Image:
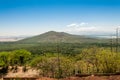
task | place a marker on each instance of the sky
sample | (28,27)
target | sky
(83,17)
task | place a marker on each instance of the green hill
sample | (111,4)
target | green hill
(55,37)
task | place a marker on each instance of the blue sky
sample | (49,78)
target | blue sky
(85,17)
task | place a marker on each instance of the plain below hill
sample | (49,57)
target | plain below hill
(57,37)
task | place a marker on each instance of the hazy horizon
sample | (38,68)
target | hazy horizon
(81,17)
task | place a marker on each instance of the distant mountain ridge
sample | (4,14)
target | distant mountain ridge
(55,37)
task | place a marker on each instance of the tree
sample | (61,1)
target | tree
(4,62)
(19,57)
(48,65)
(98,60)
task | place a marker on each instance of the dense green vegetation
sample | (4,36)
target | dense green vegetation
(87,61)
(39,48)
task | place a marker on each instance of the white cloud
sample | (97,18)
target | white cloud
(77,25)
(85,28)
(83,24)
(73,25)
